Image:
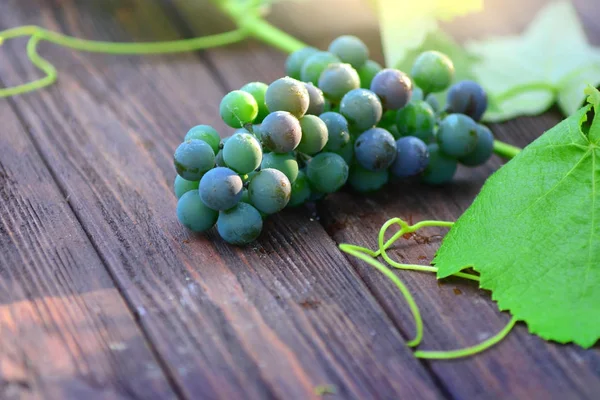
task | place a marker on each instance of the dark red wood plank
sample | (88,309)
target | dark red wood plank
(65,330)
(275,319)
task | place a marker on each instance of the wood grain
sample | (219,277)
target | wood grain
(273,320)
(65,331)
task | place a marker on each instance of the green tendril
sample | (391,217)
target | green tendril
(369,256)
(469,351)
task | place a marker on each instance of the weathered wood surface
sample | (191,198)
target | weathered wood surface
(273,320)
(65,331)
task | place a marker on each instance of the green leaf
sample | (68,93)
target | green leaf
(533,233)
(552,61)
(405,24)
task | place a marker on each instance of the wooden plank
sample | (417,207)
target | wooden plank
(65,330)
(457,314)
(272,320)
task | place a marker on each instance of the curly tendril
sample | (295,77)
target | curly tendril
(369,256)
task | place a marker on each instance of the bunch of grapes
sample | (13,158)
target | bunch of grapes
(336,117)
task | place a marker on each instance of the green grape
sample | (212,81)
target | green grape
(245,197)
(316,103)
(314,135)
(240,225)
(293,64)
(483,150)
(363,180)
(362,109)
(433,71)
(433,102)
(388,119)
(417,94)
(242,153)
(219,162)
(300,190)
(416,119)
(193,158)
(182,186)
(367,72)
(346,152)
(269,190)
(441,168)
(285,163)
(457,135)
(238,108)
(280,132)
(327,172)
(288,94)
(315,65)
(193,214)
(258,91)
(338,79)
(338,134)
(206,133)
(351,50)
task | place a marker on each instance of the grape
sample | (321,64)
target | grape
(314,135)
(346,152)
(182,186)
(483,150)
(363,180)
(417,94)
(193,214)
(245,197)
(433,71)
(393,87)
(242,153)
(367,72)
(416,119)
(193,158)
(206,133)
(280,132)
(221,188)
(433,102)
(351,50)
(285,163)
(361,108)
(469,98)
(315,65)
(287,94)
(219,162)
(441,168)
(300,190)
(316,103)
(293,64)
(375,149)
(269,190)
(240,225)
(388,119)
(457,135)
(238,108)
(337,129)
(258,91)
(327,172)
(412,157)
(337,80)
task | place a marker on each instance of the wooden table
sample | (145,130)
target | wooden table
(105,295)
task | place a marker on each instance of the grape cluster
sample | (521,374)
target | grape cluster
(336,117)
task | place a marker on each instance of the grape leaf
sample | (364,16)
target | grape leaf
(533,233)
(405,24)
(551,61)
